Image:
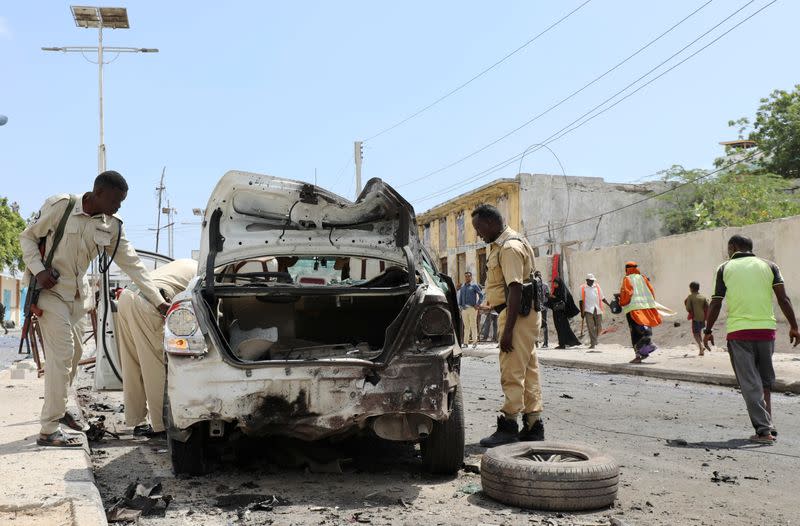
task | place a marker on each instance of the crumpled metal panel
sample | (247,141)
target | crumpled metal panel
(263,215)
(309,402)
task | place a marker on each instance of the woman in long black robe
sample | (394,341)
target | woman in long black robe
(561,296)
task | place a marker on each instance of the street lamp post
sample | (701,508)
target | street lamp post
(100,17)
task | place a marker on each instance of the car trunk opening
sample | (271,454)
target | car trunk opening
(309,327)
(309,307)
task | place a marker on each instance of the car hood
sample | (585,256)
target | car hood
(261,215)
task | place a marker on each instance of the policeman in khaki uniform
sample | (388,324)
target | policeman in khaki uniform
(510,264)
(65,294)
(140,333)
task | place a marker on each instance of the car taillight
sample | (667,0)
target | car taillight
(435,321)
(181,334)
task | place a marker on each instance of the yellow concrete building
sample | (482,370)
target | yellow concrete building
(446,230)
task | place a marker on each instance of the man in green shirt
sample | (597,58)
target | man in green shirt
(747,283)
(696,305)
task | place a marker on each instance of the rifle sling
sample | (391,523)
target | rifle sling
(59,233)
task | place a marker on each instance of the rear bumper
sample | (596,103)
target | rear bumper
(309,401)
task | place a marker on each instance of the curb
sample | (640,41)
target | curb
(728,380)
(81,485)
(53,485)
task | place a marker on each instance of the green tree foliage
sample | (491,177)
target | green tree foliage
(736,197)
(11,224)
(776,131)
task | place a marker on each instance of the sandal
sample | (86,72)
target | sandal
(763,439)
(59,439)
(69,421)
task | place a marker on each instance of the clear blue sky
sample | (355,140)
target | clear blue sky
(284,88)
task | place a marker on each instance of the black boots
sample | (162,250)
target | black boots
(532,430)
(506,433)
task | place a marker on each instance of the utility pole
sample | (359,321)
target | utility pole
(169,212)
(100,17)
(160,189)
(358,151)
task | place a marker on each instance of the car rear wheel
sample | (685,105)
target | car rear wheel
(190,457)
(443,450)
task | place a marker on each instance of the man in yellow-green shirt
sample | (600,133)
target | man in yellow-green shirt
(747,283)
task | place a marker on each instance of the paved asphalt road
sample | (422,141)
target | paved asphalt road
(632,418)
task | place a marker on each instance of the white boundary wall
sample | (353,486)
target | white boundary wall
(672,262)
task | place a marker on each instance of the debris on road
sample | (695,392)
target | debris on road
(360,518)
(721,477)
(471,468)
(139,499)
(250,501)
(101,407)
(677,442)
(97,429)
(470,489)
(565,395)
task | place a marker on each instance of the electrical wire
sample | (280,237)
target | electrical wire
(341,172)
(557,135)
(476,77)
(652,196)
(563,173)
(560,102)
(513,159)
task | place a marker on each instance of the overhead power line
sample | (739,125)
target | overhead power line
(570,128)
(560,102)
(650,197)
(479,75)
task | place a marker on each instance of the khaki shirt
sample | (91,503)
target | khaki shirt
(84,237)
(507,263)
(174,276)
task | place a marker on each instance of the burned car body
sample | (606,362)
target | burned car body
(313,317)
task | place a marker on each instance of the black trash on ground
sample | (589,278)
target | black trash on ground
(140,499)
(721,477)
(97,429)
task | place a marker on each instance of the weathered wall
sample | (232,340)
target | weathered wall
(672,262)
(554,199)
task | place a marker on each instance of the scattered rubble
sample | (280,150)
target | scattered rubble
(721,477)
(97,429)
(250,501)
(139,500)
(471,468)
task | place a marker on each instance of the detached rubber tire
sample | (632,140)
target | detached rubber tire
(443,450)
(190,457)
(550,476)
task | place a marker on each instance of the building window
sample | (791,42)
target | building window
(443,235)
(460,229)
(426,235)
(443,265)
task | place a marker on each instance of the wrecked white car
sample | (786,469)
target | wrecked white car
(313,317)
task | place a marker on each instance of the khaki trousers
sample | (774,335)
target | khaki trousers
(594,324)
(470,318)
(60,323)
(519,368)
(140,333)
